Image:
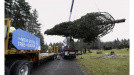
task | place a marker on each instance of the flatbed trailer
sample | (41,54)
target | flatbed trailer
(45,56)
(20,62)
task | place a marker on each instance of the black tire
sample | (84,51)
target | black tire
(31,66)
(74,56)
(64,57)
(22,67)
(7,71)
(53,57)
(10,63)
(38,63)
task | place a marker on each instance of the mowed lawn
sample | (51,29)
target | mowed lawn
(103,64)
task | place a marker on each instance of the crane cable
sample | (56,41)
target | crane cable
(96,5)
(78,5)
(76,11)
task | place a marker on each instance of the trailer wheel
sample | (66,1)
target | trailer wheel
(7,71)
(55,56)
(38,63)
(21,68)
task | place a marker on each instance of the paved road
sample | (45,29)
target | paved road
(58,67)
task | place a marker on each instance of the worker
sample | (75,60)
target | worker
(65,47)
(49,48)
(12,29)
(62,48)
(10,37)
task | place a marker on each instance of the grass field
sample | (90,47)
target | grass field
(103,64)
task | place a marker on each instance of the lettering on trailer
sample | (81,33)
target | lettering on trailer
(23,40)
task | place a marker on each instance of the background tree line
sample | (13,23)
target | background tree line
(98,44)
(23,17)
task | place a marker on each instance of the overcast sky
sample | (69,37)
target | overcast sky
(52,12)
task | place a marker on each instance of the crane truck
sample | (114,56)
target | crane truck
(67,50)
(25,53)
(69,53)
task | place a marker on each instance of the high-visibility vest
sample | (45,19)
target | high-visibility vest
(12,29)
(49,47)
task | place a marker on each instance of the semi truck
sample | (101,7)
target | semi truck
(22,51)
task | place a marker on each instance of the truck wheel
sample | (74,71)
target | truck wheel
(21,68)
(31,66)
(38,63)
(64,57)
(7,71)
(53,57)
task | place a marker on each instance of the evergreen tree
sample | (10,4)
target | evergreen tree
(8,8)
(89,27)
(21,17)
(18,11)
(33,26)
(41,41)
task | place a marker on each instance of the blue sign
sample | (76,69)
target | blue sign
(23,40)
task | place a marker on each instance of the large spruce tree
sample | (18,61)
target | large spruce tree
(89,27)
